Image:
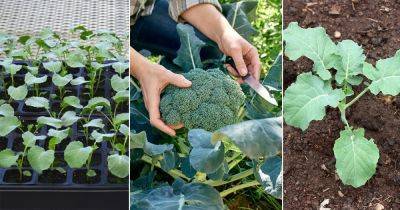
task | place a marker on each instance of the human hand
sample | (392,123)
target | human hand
(153,79)
(243,54)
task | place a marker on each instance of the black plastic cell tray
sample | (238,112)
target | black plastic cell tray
(68,186)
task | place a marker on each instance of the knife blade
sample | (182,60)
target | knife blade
(254,84)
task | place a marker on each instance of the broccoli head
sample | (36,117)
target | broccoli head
(213,101)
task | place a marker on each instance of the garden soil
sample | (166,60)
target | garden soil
(309,164)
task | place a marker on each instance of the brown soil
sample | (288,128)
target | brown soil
(52,177)
(79,177)
(375,25)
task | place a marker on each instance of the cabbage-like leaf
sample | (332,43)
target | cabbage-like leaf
(99,137)
(121,118)
(350,63)
(188,55)
(138,140)
(155,149)
(38,102)
(29,139)
(119,84)
(255,138)
(40,159)
(124,129)
(76,59)
(8,124)
(312,43)
(57,136)
(236,14)
(120,67)
(386,77)
(306,99)
(6,110)
(121,96)
(12,68)
(188,196)
(53,122)
(78,81)
(205,156)
(30,79)
(356,157)
(97,101)
(118,165)
(270,175)
(8,158)
(61,81)
(69,118)
(18,93)
(76,155)
(72,101)
(95,123)
(53,66)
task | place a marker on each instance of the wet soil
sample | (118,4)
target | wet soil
(309,164)
(53,177)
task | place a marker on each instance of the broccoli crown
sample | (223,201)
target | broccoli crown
(212,101)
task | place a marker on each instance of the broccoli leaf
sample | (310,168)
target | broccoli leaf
(8,158)
(312,43)
(386,77)
(72,101)
(76,155)
(255,138)
(18,93)
(118,165)
(269,174)
(8,124)
(306,99)
(40,159)
(30,79)
(236,14)
(188,55)
(38,102)
(350,63)
(356,157)
(6,110)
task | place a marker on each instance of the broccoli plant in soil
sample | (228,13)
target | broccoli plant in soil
(48,76)
(232,138)
(307,98)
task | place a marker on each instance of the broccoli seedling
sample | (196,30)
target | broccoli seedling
(213,101)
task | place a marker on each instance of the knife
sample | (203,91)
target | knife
(254,84)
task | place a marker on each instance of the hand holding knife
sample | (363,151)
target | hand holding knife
(254,84)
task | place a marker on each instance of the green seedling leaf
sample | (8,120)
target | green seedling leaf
(29,139)
(386,77)
(76,155)
(8,124)
(53,122)
(69,118)
(95,123)
(30,79)
(138,140)
(120,67)
(78,81)
(124,129)
(118,84)
(96,102)
(6,110)
(249,135)
(12,68)
(57,136)
(236,15)
(91,173)
(99,137)
(188,55)
(118,165)
(121,96)
(312,43)
(350,63)
(40,159)
(8,158)
(356,157)
(53,66)
(60,81)
(306,99)
(269,174)
(27,173)
(18,93)
(205,156)
(72,101)
(38,102)
(76,60)
(120,118)
(34,70)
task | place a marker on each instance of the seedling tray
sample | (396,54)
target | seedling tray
(72,189)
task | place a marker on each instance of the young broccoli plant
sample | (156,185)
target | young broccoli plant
(307,98)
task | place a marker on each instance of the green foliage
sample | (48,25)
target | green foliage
(211,102)
(306,99)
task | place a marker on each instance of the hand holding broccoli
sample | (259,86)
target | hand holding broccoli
(153,79)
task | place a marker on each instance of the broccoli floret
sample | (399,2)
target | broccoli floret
(213,101)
